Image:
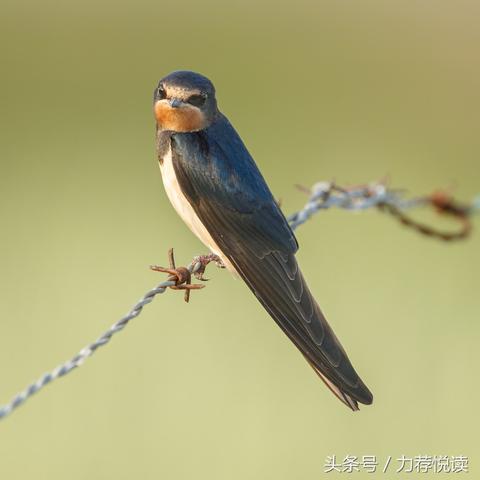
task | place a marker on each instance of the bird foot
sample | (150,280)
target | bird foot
(200,262)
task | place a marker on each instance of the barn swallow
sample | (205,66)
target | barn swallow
(218,191)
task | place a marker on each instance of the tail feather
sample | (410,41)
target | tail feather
(280,287)
(341,395)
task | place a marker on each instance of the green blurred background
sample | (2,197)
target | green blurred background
(213,390)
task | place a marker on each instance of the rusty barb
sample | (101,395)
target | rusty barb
(180,275)
(444,204)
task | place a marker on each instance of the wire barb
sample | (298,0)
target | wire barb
(181,276)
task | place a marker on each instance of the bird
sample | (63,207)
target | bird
(217,189)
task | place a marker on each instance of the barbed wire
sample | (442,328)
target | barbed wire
(322,195)
(86,352)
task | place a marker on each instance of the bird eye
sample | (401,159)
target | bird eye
(197,100)
(161,93)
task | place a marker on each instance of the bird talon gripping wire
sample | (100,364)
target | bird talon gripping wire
(180,275)
(200,262)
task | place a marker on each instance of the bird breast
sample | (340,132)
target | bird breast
(185,210)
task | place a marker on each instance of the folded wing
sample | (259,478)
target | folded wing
(231,198)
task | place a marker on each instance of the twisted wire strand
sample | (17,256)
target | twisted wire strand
(323,195)
(86,352)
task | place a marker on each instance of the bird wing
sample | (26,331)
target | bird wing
(228,193)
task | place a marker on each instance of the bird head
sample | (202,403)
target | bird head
(184,102)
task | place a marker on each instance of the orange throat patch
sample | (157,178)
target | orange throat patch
(182,119)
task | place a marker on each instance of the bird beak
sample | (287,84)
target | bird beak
(175,102)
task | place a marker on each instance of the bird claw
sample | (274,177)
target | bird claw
(200,263)
(199,276)
(180,275)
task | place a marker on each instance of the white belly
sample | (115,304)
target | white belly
(185,210)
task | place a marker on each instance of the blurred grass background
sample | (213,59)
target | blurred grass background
(213,390)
